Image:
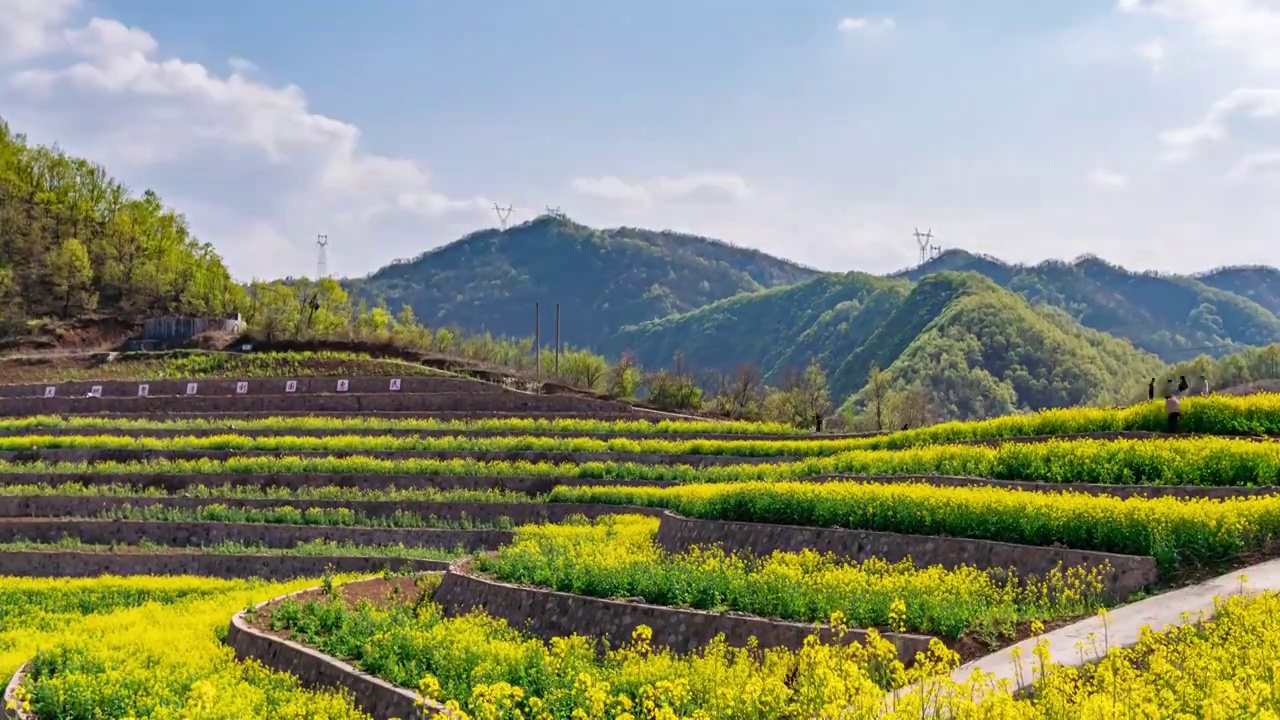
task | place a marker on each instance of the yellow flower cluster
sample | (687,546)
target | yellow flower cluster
(1187,461)
(1214,415)
(616,556)
(1226,667)
(145,647)
(1174,531)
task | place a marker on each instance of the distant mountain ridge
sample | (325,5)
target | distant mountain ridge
(1173,316)
(982,336)
(976,348)
(603,279)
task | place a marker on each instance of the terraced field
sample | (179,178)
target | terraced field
(490,553)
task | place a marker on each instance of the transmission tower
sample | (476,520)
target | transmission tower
(554,212)
(322,263)
(923,240)
(504,214)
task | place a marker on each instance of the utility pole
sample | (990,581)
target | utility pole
(557,339)
(537,339)
(923,240)
(322,263)
(504,214)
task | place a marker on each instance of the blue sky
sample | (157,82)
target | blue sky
(1144,131)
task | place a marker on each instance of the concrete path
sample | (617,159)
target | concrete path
(1123,625)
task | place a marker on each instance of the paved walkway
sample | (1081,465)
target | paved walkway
(1123,625)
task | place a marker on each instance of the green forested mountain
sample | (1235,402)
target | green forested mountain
(827,319)
(1258,283)
(974,348)
(74,241)
(1174,316)
(603,279)
(981,351)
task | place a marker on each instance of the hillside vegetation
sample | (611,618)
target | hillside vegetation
(603,279)
(973,348)
(1175,317)
(74,241)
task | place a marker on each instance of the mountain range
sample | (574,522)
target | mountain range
(979,336)
(982,336)
(603,280)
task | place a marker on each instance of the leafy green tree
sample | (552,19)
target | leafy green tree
(72,276)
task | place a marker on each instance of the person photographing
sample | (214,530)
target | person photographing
(1173,407)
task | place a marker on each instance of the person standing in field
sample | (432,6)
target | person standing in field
(1204,385)
(1151,389)
(1173,406)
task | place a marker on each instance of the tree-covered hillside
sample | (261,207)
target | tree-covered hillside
(73,241)
(1258,283)
(974,348)
(978,350)
(489,281)
(1173,316)
(826,319)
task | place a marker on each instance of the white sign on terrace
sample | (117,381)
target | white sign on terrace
(290,385)
(242,387)
(343,384)
(395,384)
(144,390)
(192,387)
(50,391)
(96,391)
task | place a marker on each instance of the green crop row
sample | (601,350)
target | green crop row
(313,548)
(267,492)
(1182,535)
(1211,415)
(435,443)
(285,515)
(1198,461)
(616,556)
(370,423)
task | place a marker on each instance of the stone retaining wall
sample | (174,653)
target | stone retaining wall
(203,534)
(78,563)
(387,432)
(175,483)
(83,506)
(1127,574)
(253,386)
(91,455)
(233,415)
(9,704)
(547,614)
(379,698)
(506,401)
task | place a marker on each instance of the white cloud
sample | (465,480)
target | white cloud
(29,27)
(1154,52)
(1248,28)
(1264,164)
(242,66)
(703,188)
(103,87)
(1104,179)
(1255,103)
(866,25)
